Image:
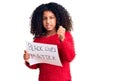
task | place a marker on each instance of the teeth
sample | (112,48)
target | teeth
(48,26)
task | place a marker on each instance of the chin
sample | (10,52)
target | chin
(49,30)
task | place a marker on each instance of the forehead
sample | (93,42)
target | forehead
(47,12)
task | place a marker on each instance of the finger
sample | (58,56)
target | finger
(60,27)
(61,30)
(64,29)
(24,51)
(26,56)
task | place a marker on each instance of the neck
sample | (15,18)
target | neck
(50,33)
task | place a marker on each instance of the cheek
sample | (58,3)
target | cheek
(54,22)
(44,23)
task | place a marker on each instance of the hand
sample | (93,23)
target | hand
(61,33)
(26,56)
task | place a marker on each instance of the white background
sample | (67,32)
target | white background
(96,34)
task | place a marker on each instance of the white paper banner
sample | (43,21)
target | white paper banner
(43,53)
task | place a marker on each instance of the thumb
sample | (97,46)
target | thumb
(60,26)
(25,51)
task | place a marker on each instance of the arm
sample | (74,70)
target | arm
(67,51)
(26,58)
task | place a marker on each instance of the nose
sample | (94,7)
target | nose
(48,20)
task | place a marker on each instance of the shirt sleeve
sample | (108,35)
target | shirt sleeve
(67,51)
(35,66)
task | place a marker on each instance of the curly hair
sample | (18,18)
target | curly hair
(63,18)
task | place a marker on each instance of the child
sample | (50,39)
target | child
(51,24)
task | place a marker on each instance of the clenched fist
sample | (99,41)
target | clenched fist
(61,33)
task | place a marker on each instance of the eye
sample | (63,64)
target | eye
(52,17)
(44,18)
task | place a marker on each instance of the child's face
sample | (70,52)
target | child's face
(49,20)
